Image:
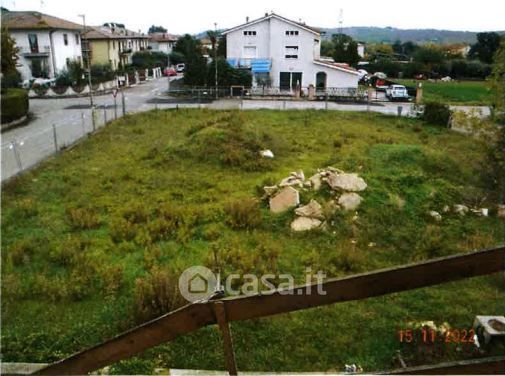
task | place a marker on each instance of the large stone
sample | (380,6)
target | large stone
(349,201)
(312,210)
(316,182)
(287,198)
(501,211)
(305,224)
(270,190)
(460,209)
(346,182)
(435,215)
(290,181)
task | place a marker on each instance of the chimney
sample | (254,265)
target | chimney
(266,14)
(247,19)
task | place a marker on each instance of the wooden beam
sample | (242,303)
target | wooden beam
(229,354)
(165,328)
(194,316)
(366,285)
(485,366)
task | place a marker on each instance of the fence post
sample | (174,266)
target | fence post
(83,124)
(55,138)
(115,107)
(229,354)
(16,155)
(123,103)
(93,120)
(93,117)
(104,114)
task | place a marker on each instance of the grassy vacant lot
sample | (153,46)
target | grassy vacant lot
(93,240)
(456,92)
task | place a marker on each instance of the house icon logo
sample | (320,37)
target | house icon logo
(197,283)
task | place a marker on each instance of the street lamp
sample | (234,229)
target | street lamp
(83,16)
(215,56)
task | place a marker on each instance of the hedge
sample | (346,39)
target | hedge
(14,104)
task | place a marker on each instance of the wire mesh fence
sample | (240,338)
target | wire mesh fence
(21,153)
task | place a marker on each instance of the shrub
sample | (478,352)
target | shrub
(244,213)
(156,294)
(436,113)
(111,277)
(26,208)
(14,104)
(121,230)
(231,144)
(82,218)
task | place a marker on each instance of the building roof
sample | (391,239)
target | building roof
(103,32)
(276,16)
(35,21)
(163,37)
(340,66)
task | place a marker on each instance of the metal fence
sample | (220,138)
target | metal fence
(203,94)
(25,151)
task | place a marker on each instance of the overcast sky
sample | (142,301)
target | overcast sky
(192,16)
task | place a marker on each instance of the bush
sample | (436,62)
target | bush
(82,218)
(436,113)
(101,73)
(149,59)
(244,214)
(231,144)
(156,294)
(14,105)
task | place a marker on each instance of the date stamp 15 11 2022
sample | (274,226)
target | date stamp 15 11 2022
(432,336)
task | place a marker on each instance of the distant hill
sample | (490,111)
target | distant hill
(391,34)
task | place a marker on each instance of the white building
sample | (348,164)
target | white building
(284,53)
(162,42)
(46,43)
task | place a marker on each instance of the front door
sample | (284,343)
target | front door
(289,80)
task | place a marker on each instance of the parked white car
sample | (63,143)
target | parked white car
(397,92)
(180,67)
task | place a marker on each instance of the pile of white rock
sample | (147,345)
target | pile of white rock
(286,195)
(463,210)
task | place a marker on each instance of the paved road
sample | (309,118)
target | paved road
(26,146)
(70,119)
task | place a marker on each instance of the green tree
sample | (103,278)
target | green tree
(149,59)
(430,56)
(227,75)
(196,65)
(485,48)
(327,48)
(156,29)
(213,37)
(221,46)
(188,47)
(345,49)
(10,75)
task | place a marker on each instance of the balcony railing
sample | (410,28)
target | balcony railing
(35,51)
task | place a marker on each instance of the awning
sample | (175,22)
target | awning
(261,66)
(256,65)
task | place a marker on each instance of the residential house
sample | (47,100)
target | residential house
(162,42)
(46,43)
(102,46)
(131,41)
(286,54)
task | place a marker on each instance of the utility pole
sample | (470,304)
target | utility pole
(215,55)
(168,67)
(87,50)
